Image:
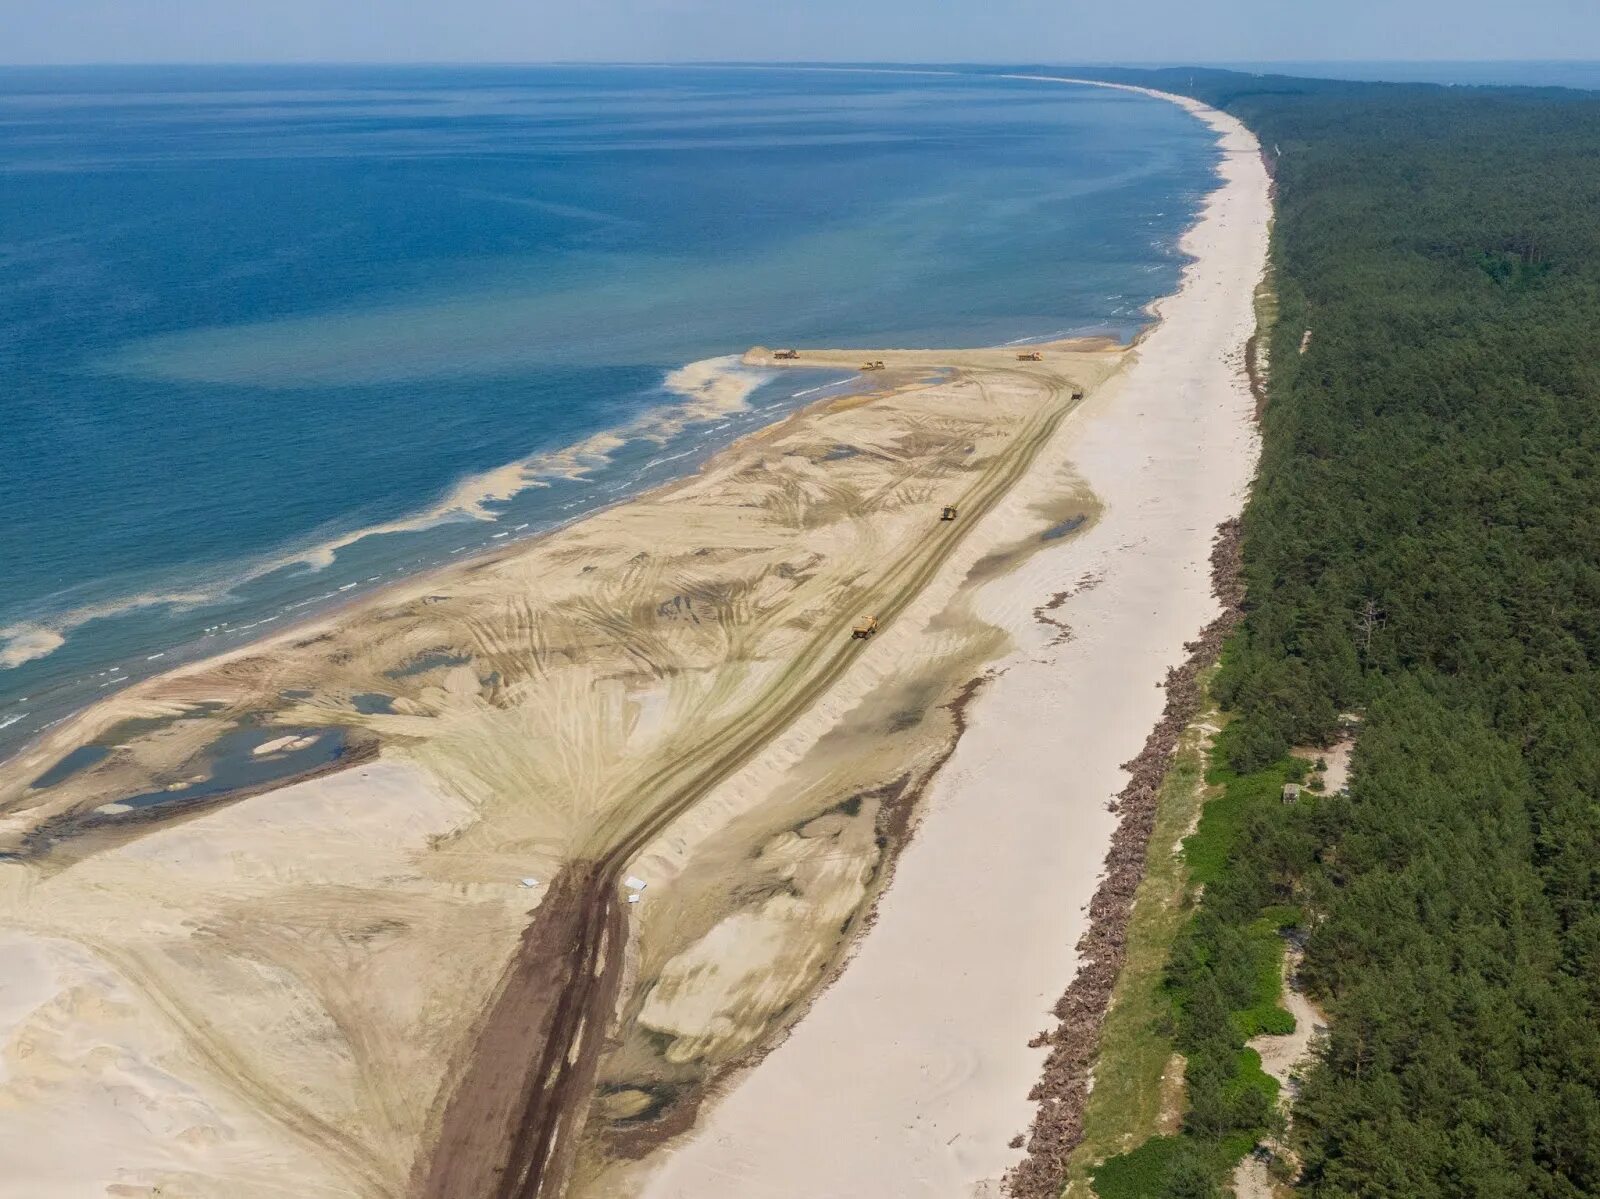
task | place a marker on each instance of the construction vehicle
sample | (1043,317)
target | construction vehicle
(865,627)
(785,355)
(873,366)
(949,513)
(1030,356)
(1077,395)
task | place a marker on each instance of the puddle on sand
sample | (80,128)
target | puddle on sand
(81,758)
(235,765)
(1062,528)
(373,703)
(432,660)
(99,750)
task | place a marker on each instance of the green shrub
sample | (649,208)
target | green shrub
(1139,1174)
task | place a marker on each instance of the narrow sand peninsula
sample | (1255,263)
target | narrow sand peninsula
(403,973)
(911,1074)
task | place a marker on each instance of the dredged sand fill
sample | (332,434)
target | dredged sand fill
(302,988)
(911,1074)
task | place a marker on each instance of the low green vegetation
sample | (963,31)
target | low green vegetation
(1138,1082)
(1423,546)
(1162,1165)
(1222,981)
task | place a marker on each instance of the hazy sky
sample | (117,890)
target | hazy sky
(35,31)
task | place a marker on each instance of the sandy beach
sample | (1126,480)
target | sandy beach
(567,870)
(911,1074)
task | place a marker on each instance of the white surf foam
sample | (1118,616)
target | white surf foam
(709,390)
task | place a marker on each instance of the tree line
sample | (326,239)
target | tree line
(1422,548)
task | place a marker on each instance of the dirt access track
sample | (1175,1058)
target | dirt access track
(508,1130)
(561,704)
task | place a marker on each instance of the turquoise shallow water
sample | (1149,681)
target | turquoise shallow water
(250,315)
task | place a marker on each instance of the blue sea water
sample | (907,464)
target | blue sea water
(248,313)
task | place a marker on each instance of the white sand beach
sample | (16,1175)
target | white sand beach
(911,1074)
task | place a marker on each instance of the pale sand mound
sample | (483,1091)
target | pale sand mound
(911,1074)
(159,1024)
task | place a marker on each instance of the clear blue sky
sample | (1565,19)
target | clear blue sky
(68,31)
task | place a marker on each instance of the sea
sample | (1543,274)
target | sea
(272,337)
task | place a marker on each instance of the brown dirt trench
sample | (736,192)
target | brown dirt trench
(509,1128)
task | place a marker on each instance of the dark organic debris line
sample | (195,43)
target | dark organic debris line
(1063,1090)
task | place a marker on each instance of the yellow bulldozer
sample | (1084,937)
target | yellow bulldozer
(865,627)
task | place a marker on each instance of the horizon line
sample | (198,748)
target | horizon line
(1142,64)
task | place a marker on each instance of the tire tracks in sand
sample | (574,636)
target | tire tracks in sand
(508,1128)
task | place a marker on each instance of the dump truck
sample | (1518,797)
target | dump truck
(786,355)
(949,513)
(1030,356)
(865,627)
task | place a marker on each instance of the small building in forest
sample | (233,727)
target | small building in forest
(1291,792)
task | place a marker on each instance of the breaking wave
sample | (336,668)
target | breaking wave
(709,390)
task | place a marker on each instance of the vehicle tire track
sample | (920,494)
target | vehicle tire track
(509,1129)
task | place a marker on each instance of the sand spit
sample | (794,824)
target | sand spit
(911,1075)
(327,987)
